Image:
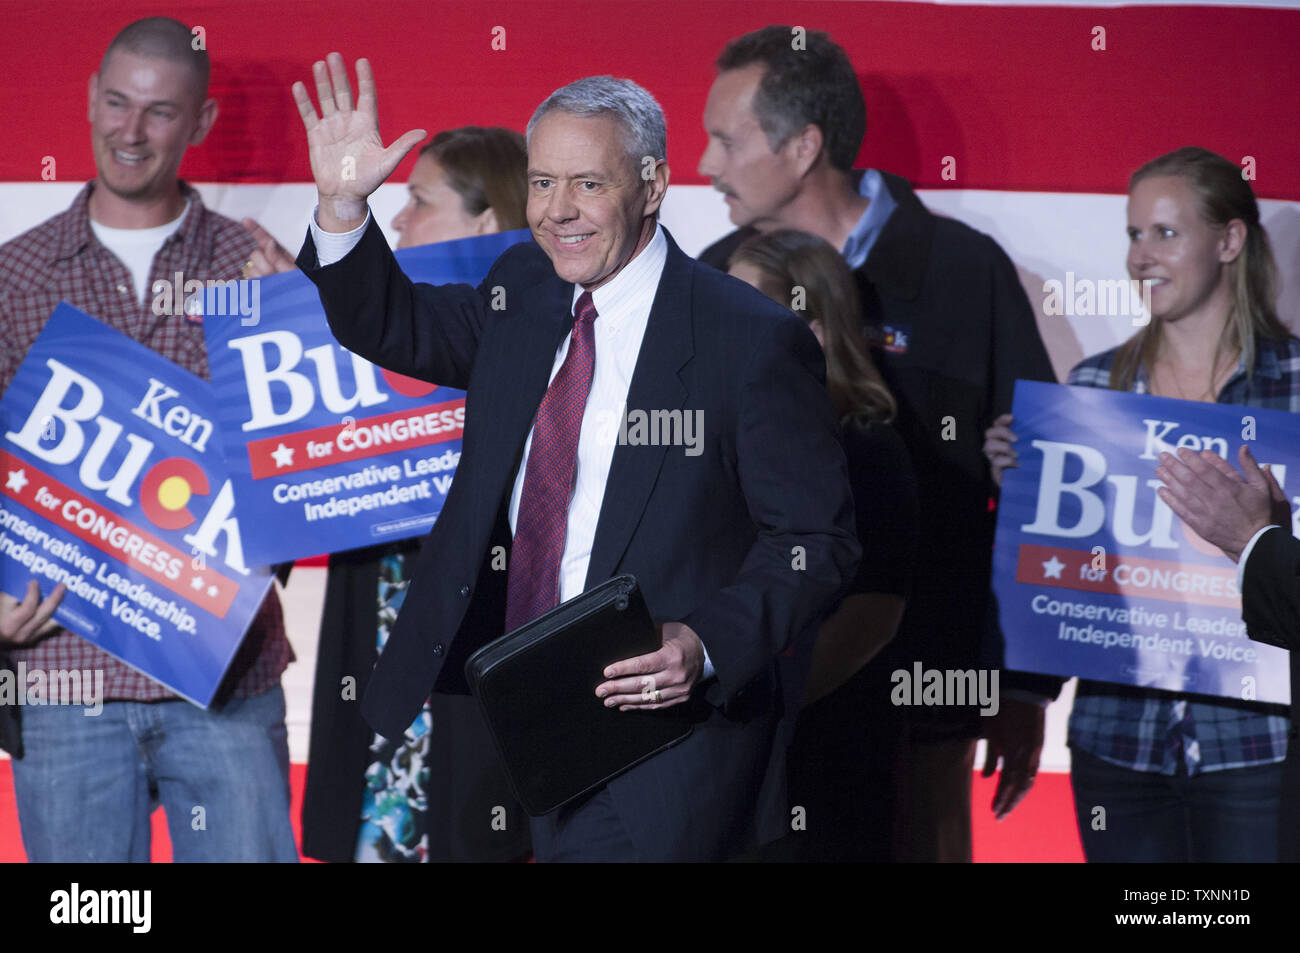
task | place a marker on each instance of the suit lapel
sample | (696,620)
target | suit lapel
(529,354)
(656,384)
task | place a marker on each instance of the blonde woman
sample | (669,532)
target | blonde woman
(1184,777)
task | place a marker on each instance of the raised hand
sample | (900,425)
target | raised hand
(348,159)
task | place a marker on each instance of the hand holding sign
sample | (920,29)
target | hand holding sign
(348,158)
(997,447)
(23,622)
(1217,502)
(270,257)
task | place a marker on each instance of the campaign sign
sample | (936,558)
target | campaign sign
(116,486)
(1095,576)
(328,451)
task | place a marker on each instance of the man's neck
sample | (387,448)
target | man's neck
(827,206)
(113,211)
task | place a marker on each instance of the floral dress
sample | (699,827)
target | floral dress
(394,805)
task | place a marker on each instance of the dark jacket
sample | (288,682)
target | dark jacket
(970,333)
(748,542)
(1270,607)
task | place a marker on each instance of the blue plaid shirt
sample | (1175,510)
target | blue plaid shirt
(1148,731)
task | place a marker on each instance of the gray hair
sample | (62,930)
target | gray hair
(642,119)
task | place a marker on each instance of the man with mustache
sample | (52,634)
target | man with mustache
(951,330)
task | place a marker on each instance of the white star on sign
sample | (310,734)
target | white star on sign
(212,591)
(283,456)
(1052,568)
(17,480)
(196,583)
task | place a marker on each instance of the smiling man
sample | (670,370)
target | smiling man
(737,549)
(86,786)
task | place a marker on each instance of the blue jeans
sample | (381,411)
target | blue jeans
(87,785)
(1218,817)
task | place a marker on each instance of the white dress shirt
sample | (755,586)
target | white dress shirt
(622,309)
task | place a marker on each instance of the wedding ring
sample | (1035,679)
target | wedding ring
(243,272)
(659,696)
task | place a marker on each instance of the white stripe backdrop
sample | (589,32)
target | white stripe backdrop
(1046,234)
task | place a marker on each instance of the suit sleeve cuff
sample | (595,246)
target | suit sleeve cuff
(334,246)
(1245,554)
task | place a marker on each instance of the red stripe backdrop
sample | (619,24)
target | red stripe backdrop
(1016,95)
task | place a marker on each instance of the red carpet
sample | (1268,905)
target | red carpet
(1040,829)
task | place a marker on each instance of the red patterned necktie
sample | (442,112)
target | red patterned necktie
(543,518)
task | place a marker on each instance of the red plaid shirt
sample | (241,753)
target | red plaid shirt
(61,260)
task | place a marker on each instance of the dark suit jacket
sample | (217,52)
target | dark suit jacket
(970,334)
(1270,607)
(749,542)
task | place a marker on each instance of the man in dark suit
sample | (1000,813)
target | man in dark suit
(740,536)
(1247,516)
(951,330)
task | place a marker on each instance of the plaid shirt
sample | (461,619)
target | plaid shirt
(1146,730)
(61,260)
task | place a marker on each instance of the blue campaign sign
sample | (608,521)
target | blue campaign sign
(115,486)
(328,451)
(1094,574)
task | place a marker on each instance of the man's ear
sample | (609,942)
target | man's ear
(92,91)
(656,185)
(207,116)
(805,147)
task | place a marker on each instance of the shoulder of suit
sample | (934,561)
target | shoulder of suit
(717,254)
(524,263)
(726,302)
(522,254)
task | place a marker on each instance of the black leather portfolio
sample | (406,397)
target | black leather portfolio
(537,689)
